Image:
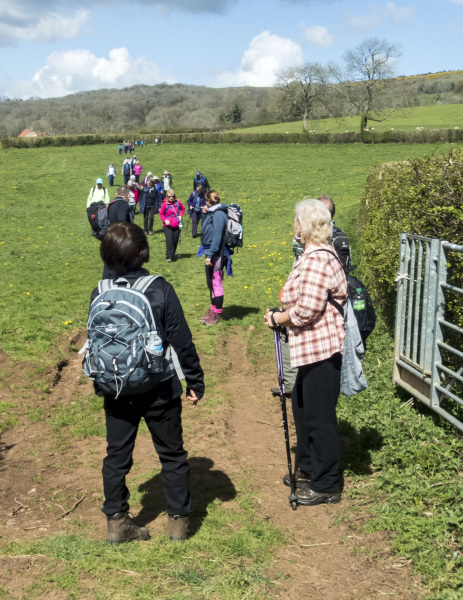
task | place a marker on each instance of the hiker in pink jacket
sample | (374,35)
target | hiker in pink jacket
(171,213)
(137,169)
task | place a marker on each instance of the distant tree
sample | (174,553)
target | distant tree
(303,89)
(367,67)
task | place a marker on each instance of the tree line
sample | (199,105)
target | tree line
(362,85)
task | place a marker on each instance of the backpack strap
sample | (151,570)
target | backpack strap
(143,283)
(336,305)
(331,300)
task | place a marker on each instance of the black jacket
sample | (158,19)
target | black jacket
(118,210)
(174,330)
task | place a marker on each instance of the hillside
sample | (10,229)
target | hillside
(178,107)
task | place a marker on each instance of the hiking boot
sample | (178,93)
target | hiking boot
(212,319)
(206,316)
(178,528)
(276,391)
(308,497)
(302,480)
(121,529)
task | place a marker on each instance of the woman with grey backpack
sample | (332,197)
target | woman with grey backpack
(316,342)
(155,394)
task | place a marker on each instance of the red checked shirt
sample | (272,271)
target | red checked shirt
(318,327)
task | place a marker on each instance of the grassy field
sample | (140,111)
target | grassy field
(430,117)
(49,265)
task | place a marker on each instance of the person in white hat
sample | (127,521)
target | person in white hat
(98,193)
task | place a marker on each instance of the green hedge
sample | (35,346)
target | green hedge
(422,136)
(420,196)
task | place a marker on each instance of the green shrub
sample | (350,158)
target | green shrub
(420,196)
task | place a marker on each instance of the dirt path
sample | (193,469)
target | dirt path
(40,483)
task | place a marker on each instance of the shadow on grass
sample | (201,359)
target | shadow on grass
(206,485)
(356,448)
(238,312)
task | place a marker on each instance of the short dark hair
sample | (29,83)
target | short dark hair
(124,247)
(328,202)
(122,190)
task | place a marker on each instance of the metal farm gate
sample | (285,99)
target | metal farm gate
(428,356)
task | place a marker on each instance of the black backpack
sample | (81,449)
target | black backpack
(366,318)
(98,216)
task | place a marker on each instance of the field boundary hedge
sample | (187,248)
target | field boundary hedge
(418,196)
(422,136)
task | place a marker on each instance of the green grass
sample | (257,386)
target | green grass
(443,116)
(49,265)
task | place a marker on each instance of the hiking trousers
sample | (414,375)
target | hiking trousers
(172,235)
(314,399)
(165,425)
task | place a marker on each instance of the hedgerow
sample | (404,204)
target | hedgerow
(419,196)
(421,136)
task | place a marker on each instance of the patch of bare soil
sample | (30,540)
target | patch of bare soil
(45,489)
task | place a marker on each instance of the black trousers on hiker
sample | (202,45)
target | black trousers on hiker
(172,235)
(164,423)
(148,218)
(314,399)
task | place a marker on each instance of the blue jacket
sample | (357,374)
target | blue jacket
(213,227)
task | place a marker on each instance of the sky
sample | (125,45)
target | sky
(51,48)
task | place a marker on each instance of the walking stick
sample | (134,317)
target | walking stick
(281,382)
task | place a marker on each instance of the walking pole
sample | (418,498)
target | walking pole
(281,382)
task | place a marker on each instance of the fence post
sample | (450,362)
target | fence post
(439,259)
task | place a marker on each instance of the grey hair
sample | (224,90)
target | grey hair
(314,220)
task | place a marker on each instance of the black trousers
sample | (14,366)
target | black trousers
(165,425)
(314,399)
(172,235)
(148,217)
(195,219)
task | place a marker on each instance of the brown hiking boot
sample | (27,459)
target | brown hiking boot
(206,316)
(121,529)
(212,319)
(178,528)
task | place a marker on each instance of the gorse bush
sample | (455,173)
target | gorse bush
(419,196)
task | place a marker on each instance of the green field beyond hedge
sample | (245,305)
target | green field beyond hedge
(49,265)
(442,116)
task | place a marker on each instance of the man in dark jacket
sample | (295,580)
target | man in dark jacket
(339,239)
(118,210)
(201,180)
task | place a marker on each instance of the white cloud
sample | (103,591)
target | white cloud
(18,23)
(80,70)
(50,20)
(318,36)
(267,54)
(381,13)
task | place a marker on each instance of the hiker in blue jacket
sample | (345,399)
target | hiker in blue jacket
(201,180)
(213,228)
(196,202)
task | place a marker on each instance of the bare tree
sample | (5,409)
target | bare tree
(368,67)
(303,88)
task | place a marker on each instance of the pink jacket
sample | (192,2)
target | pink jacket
(137,169)
(171,211)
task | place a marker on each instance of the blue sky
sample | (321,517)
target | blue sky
(56,47)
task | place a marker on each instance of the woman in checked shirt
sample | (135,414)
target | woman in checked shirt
(316,337)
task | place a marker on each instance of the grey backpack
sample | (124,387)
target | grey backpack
(353,379)
(120,356)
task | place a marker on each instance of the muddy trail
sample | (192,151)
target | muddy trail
(44,488)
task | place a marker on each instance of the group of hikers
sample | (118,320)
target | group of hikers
(311,325)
